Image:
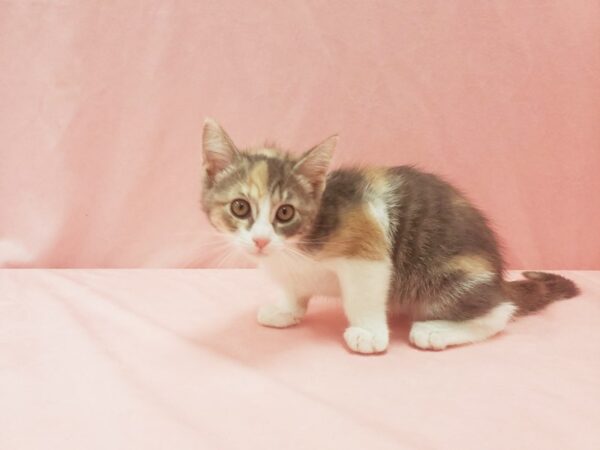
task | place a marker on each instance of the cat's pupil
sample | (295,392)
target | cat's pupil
(285,213)
(240,208)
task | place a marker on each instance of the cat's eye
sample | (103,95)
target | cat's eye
(285,213)
(240,208)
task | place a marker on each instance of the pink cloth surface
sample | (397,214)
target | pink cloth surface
(101,106)
(155,359)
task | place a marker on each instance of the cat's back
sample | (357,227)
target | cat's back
(359,186)
(415,215)
(360,207)
(434,222)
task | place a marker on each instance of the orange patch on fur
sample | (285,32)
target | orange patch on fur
(358,235)
(269,152)
(459,201)
(258,179)
(471,264)
(377,178)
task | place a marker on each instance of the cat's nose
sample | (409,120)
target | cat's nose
(261,242)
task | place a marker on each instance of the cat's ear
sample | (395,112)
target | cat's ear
(314,163)
(218,149)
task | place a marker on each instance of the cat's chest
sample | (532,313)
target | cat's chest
(305,276)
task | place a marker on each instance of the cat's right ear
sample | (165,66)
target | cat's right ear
(218,150)
(314,163)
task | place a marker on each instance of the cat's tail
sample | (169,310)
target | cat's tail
(538,290)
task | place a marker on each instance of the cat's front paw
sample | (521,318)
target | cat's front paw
(274,316)
(361,340)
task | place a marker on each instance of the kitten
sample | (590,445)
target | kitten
(382,238)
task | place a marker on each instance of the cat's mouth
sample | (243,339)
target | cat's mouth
(260,253)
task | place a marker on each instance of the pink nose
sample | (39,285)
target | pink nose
(261,242)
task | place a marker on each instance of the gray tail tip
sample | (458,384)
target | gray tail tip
(539,276)
(557,284)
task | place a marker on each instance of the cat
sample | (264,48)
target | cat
(383,238)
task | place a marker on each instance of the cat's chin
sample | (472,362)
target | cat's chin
(264,255)
(260,256)
(272,252)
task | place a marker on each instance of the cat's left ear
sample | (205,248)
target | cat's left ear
(218,149)
(314,163)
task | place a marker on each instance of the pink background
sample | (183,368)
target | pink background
(102,104)
(173,359)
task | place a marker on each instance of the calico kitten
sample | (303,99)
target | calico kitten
(382,238)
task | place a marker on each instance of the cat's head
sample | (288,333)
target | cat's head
(265,199)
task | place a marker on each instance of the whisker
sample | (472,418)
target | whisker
(223,259)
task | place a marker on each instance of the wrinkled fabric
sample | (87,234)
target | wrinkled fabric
(155,359)
(102,105)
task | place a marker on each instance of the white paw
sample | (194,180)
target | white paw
(361,340)
(431,335)
(274,316)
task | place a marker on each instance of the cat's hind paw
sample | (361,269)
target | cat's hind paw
(430,335)
(271,315)
(364,341)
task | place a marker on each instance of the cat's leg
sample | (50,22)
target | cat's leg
(441,333)
(365,286)
(287,311)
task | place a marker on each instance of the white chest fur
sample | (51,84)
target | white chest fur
(302,275)
(363,286)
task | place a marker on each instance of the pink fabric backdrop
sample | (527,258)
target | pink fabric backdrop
(174,359)
(102,104)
